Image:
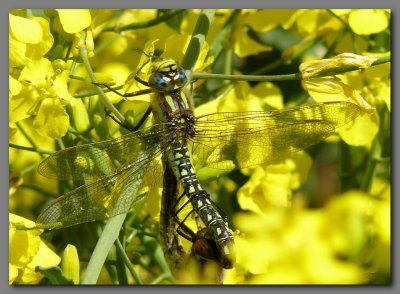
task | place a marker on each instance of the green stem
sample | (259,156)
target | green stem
(120,262)
(80,136)
(28,169)
(375,154)
(102,249)
(37,188)
(33,149)
(60,144)
(217,44)
(92,93)
(127,262)
(105,44)
(228,62)
(145,24)
(78,78)
(106,102)
(346,168)
(338,40)
(160,278)
(207,76)
(345,24)
(368,176)
(287,77)
(355,43)
(27,137)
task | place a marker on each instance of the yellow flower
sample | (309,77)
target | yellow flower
(315,68)
(290,246)
(70,263)
(363,129)
(30,38)
(26,252)
(273,186)
(74,20)
(259,21)
(46,92)
(332,89)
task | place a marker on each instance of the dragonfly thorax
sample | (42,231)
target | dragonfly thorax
(183,123)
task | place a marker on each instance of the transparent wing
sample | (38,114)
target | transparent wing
(117,173)
(239,140)
(90,162)
(107,196)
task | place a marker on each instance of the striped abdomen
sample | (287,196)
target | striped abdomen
(181,165)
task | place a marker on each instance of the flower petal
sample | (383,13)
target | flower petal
(52,120)
(25,30)
(74,20)
(368,21)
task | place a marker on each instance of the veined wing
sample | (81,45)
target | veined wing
(108,196)
(90,162)
(250,138)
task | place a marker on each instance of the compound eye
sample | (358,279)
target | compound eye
(181,78)
(161,82)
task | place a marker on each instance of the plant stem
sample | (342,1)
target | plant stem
(33,149)
(207,76)
(27,137)
(106,102)
(371,164)
(144,24)
(127,262)
(288,77)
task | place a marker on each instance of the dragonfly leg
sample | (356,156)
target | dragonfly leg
(137,78)
(129,94)
(128,126)
(183,230)
(183,205)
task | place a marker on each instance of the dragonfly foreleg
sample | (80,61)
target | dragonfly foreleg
(129,94)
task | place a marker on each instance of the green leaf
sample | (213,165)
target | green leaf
(277,38)
(110,234)
(209,173)
(55,275)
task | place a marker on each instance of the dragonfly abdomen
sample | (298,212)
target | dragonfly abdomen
(183,169)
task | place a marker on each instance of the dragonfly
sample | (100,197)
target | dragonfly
(118,173)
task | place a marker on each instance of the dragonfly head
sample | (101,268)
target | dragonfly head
(167,76)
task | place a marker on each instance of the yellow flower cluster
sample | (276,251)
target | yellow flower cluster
(321,217)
